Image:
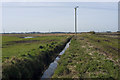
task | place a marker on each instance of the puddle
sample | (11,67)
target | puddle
(29,37)
(50,71)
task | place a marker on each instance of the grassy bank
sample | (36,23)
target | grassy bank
(31,64)
(90,56)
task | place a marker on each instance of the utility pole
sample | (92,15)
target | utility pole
(49,30)
(3,30)
(76,20)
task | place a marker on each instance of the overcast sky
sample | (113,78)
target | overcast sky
(57,16)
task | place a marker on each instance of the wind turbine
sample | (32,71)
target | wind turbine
(76,19)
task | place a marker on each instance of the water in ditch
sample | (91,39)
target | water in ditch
(50,71)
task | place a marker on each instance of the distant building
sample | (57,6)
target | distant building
(118,31)
(108,31)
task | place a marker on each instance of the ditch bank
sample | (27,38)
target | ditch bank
(32,65)
(52,67)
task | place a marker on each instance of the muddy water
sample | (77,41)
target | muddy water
(50,71)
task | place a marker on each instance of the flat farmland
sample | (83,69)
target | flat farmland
(90,55)
(16,44)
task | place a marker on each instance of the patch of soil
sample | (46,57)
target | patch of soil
(107,40)
(116,49)
(29,41)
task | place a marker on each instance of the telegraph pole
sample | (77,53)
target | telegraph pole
(3,30)
(76,20)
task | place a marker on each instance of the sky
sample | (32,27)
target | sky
(59,16)
(59,0)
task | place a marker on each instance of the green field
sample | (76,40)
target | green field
(29,57)
(15,46)
(90,56)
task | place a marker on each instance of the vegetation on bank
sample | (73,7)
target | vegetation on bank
(30,65)
(90,56)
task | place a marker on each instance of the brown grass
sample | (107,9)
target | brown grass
(36,34)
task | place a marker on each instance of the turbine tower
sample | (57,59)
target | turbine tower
(76,19)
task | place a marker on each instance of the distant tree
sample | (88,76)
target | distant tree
(92,32)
